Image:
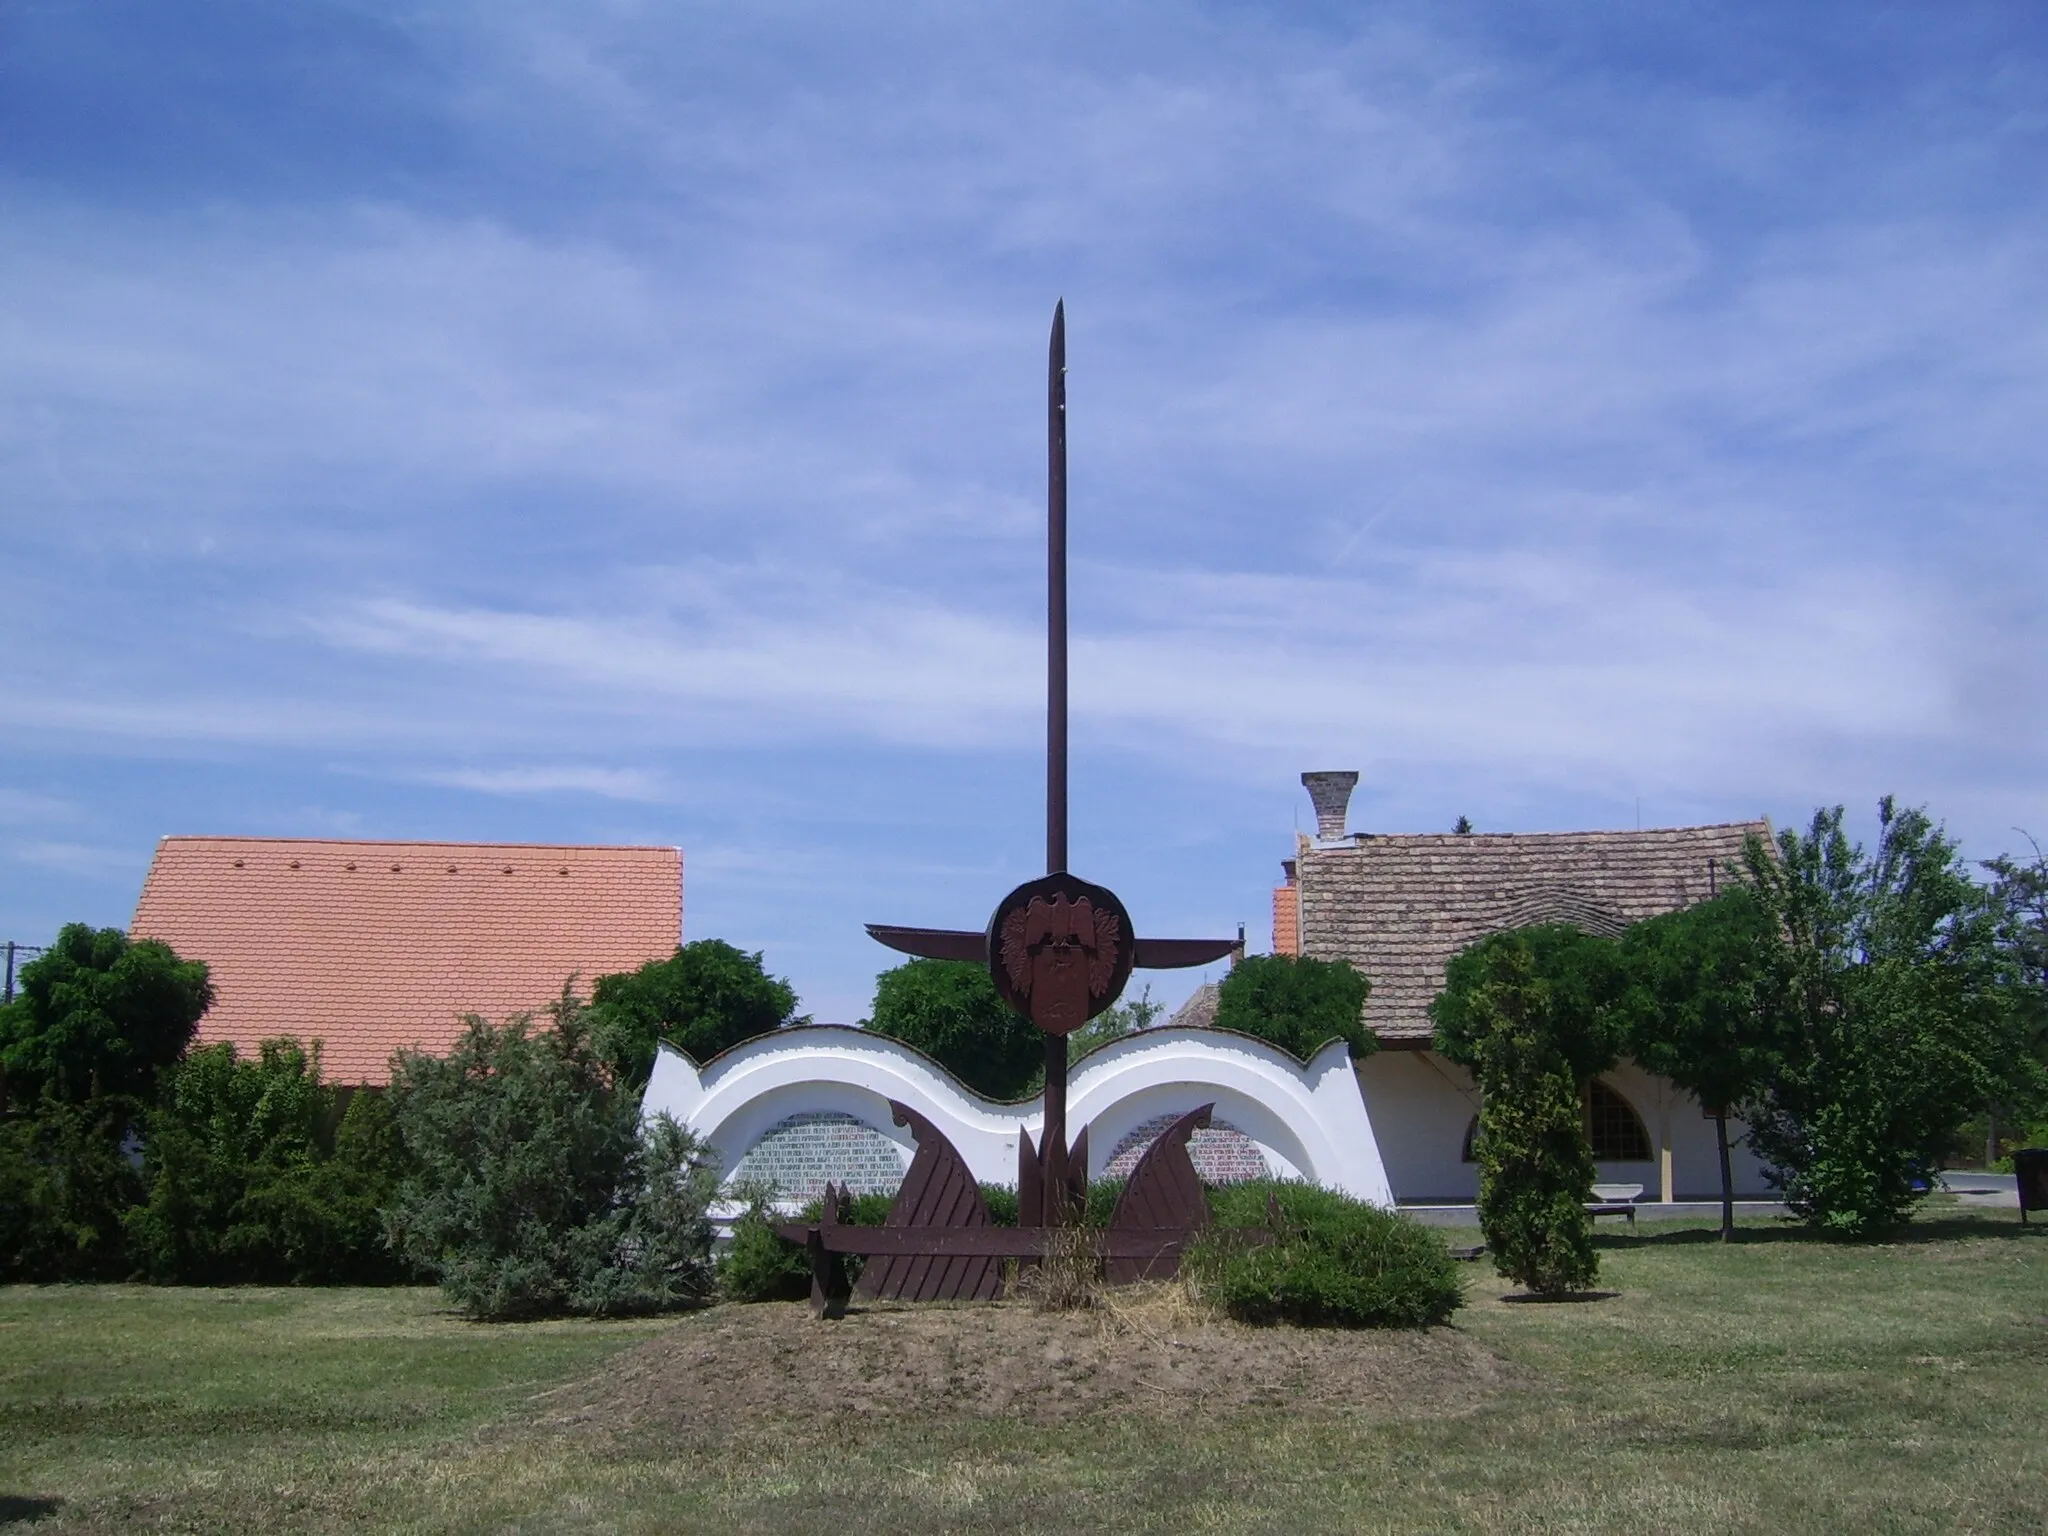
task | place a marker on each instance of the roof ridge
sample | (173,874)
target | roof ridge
(1359,839)
(414,842)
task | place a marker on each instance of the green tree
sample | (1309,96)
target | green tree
(2021,890)
(1126,1016)
(254,1174)
(1904,1014)
(1700,1008)
(66,1179)
(950,1010)
(535,1188)
(705,998)
(99,1016)
(1297,1003)
(1584,982)
(1535,1166)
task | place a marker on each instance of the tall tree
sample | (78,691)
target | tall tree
(1534,1013)
(1904,1014)
(1535,1166)
(99,1016)
(1126,1016)
(705,998)
(1583,980)
(1297,1002)
(1700,1008)
(2021,888)
(950,1010)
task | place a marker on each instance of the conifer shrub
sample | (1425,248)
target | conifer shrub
(535,1189)
(759,1265)
(1331,1261)
(1535,1164)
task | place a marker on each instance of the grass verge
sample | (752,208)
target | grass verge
(1780,1384)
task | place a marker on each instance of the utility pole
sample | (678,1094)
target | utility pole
(14,952)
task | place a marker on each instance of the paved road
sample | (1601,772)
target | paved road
(1646,1210)
(1993,1189)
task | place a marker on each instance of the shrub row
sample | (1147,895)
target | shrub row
(1324,1259)
(238,1171)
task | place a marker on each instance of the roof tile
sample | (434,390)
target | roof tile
(371,945)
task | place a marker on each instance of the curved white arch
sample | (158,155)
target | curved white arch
(1309,1121)
(740,1094)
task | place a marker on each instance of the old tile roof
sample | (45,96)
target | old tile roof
(1398,907)
(368,946)
(1199,1011)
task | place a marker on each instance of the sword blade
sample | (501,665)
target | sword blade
(1056,595)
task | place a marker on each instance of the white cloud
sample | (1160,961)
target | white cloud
(609,783)
(80,858)
(21,808)
(1530,423)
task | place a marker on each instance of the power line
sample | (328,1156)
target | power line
(13,949)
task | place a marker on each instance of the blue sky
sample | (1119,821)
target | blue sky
(624,422)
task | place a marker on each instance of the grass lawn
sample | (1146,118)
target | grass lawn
(1781,1384)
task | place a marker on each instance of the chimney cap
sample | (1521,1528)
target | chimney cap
(1331,793)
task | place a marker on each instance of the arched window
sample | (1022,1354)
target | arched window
(1613,1126)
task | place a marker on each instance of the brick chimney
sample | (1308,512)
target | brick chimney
(1331,793)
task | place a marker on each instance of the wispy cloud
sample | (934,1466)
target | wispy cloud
(80,858)
(630,421)
(18,806)
(610,783)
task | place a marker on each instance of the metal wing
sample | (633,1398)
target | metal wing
(933,943)
(1016,953)
(1109,942)
(1175,954)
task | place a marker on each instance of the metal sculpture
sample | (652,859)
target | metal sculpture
(938,1191)
(1060,951)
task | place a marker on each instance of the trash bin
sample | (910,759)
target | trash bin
(2031,1164)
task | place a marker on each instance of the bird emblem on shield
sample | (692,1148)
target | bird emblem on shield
(1062,953)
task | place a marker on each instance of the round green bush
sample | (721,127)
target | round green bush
(758,1265)
(1331,1262)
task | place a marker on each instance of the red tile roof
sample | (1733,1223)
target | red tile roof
(1286,920)
(371,946)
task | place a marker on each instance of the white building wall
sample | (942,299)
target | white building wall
(1422,1105)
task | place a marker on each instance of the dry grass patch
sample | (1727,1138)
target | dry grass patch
(1145,1351)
